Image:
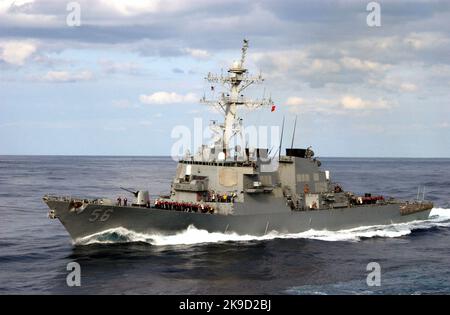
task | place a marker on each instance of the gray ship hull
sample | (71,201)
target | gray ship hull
(97,218)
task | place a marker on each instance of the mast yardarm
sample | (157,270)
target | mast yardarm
(236,81)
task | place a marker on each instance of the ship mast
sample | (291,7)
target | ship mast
(236,82)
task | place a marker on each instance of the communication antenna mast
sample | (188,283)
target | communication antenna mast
(281,139)
(293,132)
(236,81)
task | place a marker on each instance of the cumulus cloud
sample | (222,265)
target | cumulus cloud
(166,27)
(295,101)
(395,84)
(408,87)
(66,76)
(130,8)
(427,40)
(352,63)
(314,105)
(339,105)
(198,53)
(28,13)
(357,103)
(318,57)
(16,52)
(309,66)
(159,98)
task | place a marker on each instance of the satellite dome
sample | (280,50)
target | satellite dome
(221,156)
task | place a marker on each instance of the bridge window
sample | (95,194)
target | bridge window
(302,177)
(316,177)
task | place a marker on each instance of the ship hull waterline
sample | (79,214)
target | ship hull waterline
(98,218)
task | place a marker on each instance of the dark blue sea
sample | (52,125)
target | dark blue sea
(34,250)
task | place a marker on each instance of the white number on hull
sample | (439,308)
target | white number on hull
(101,214)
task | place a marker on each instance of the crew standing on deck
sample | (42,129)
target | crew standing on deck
(119,201)
(125,200)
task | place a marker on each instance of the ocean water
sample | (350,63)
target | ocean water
(34,250)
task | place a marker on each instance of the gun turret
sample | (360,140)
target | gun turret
(141,197)
(135,193)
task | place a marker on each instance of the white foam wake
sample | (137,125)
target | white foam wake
(438,218)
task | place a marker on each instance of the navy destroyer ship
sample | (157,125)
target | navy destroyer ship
(229,189)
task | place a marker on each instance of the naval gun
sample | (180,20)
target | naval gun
(141,197)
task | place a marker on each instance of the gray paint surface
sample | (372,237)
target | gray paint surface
(150,220)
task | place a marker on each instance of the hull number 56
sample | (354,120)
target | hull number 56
(100,215)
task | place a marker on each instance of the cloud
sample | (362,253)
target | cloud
(357,103)
(198,53)
(159,98)
(339,105)
(307,65)
(394,84)
(351,102)
(352,63)
(408,87)
(112,67)
(295,101)
(165,28)
(65,76)
(177,70)
(314,105)
(26,13)
(427,40)
(318,57)
(16,52)
(132,7)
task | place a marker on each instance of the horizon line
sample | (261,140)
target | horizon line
(168,156)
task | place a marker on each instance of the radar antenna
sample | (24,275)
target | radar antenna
(236,82)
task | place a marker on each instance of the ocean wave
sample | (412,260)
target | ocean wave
(439,217)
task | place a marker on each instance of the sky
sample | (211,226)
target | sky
(121,81)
